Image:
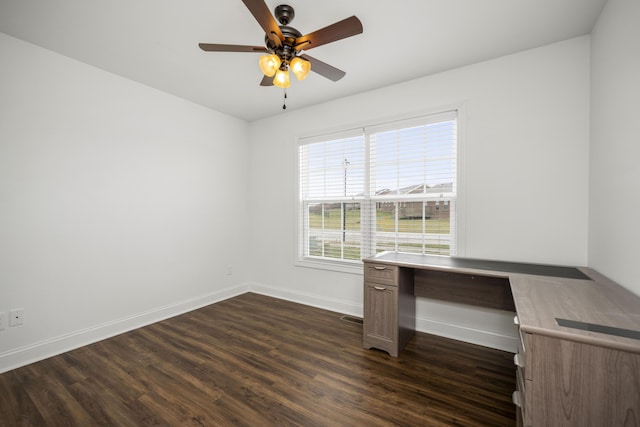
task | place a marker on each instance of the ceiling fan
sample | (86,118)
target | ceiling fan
(284,45)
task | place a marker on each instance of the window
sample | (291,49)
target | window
(387,187)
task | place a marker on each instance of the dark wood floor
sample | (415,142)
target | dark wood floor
(259,361)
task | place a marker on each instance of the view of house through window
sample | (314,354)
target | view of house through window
(388,187)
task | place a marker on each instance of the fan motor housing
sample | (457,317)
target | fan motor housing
(284,14)
(286,49)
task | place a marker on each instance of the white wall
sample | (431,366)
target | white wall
(614,198)
(119,204)
(526,142)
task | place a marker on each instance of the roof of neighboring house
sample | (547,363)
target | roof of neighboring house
(417,189)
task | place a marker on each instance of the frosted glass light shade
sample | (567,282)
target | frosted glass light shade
(269,64)
(281,79)
(300,68)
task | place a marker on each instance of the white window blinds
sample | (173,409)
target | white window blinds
(413,184)
(384,187)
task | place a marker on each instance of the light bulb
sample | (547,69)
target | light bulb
(281,79)
(300,67)
(269,64)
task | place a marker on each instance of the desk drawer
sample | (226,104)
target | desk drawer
(381,273)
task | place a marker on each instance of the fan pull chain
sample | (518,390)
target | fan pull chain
(284,105)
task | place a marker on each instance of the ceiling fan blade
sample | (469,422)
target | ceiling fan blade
(260,11)
(211,47)
(340,30)
(324,69)
(266,81)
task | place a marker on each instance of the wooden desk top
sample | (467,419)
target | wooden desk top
(467,265)
(542,294)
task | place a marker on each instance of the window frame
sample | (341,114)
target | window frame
(365,129)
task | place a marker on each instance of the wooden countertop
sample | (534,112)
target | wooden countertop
(541,296)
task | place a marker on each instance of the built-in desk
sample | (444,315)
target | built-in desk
(578,357)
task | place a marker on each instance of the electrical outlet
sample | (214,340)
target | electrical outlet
(3,320)
(16,317)
(229,270)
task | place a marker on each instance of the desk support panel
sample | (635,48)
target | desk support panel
(472,289)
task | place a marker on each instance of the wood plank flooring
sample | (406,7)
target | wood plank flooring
(253,360)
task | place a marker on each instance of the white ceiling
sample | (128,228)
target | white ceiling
(155,42)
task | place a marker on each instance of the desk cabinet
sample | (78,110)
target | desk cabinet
(389,307)
(569,383)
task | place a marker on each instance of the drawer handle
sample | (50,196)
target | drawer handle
(516,397)
(379,288)
(516,320)
(379,267)
(518,360)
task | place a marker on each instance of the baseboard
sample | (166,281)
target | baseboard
(44,349)
(331,304)
(470,335)
(429,326)
(23,356)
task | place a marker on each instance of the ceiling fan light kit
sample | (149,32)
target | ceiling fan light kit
(283,50)
(271,65)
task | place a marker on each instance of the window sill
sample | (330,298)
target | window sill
(354,267)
